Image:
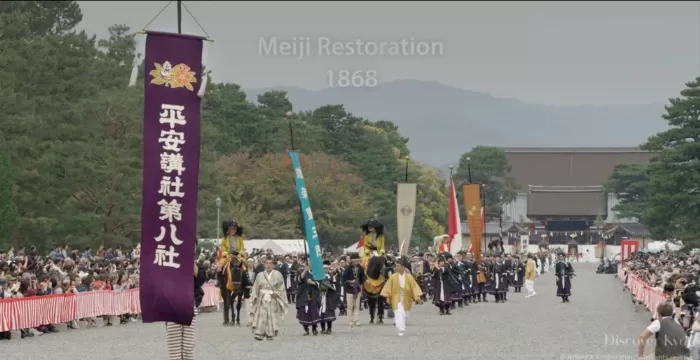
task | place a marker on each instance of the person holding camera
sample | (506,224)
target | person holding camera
(669,335)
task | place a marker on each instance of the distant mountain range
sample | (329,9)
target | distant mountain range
(442,122)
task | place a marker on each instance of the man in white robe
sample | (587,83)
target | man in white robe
(401,290)
(269,301)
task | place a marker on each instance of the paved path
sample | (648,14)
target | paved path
(599,323)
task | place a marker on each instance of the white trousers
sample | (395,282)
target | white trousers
(354,308)
(530,286)
(248,311)
(400,316)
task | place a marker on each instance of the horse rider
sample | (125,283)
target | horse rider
(233,240)
(373,240)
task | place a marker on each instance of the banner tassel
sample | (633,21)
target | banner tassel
(205,70)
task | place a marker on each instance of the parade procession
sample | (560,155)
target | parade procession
(372,286)
(292,184)
(258,290)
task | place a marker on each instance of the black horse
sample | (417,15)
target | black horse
(374,281)
(234,292)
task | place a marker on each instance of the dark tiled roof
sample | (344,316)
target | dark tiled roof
(566,201)
(569,166)
(630,229)
(491,228)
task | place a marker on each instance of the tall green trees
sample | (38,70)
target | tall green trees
(630,183)
(73,128)
(665,195)
(674,178)
(489,167)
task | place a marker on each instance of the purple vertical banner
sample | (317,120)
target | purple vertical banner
(170,176)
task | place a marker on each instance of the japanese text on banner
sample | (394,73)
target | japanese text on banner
(172,163)
(309,223)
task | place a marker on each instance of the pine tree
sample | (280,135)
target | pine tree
(673,208)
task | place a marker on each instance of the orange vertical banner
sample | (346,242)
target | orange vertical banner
(472,206)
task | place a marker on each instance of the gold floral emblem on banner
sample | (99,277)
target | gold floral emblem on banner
(178,76)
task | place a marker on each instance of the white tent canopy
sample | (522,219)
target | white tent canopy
(278,246)
(661,245)
(352,248)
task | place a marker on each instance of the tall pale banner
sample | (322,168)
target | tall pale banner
(524,243)
(455,223)
(405,214)
(472,206)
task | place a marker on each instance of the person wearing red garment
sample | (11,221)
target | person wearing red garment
(444,246)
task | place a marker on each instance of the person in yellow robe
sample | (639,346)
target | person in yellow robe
(232,241)
(401,290)
(530,276)
(373,240)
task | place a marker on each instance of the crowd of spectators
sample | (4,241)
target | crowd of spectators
(675,274)
(24,273)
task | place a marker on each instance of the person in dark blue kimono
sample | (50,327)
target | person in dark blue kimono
(517,275)
(455,279)
(288,269)
(464,280)
(442,290)
(481,278)
(563,271)
(472,281)
(499,279)
(308,301)
(508,266)
(329,299)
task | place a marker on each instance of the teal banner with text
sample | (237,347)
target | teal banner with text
(314,246)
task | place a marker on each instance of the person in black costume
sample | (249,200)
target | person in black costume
(517,276)
(461,272)
(472,280)
(329,299)
(442,280)
(508,266)
(456,284)
(563,271)
(499,280)
(308,301)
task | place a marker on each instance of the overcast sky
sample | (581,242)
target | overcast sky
(558,53)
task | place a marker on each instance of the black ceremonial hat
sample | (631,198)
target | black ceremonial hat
(326,262)
(375,224)
(403,262)
(229,223)
(354,256)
